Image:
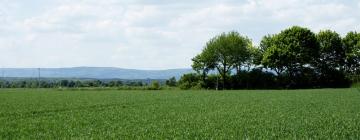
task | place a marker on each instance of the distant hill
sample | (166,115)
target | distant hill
(94,72)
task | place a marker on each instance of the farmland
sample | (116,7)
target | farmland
(176,114)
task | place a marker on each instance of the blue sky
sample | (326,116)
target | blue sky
(151,34)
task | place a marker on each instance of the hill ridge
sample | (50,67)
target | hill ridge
(95,72)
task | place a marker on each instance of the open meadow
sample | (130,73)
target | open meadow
(176,114)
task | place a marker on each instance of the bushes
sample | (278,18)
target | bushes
(82,84)
(171,82)
(155,85)
(255,79)
(258,79)
(190,81)
(334,79)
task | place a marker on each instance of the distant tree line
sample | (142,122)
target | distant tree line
(68,83)
(294,58)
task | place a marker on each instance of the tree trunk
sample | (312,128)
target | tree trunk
(224,77)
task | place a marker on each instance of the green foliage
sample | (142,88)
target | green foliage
(255,57)
(266,42)
(64,83)
(78,84)
(171,82)
(177,114)
(224,52)
(189,81)
(115,83)
(332,51)
(356,85)
(300,58)
(292,50)
(254,79)
(352,50)
(155,85)
(202,65)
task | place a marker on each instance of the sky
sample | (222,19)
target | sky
(149,34)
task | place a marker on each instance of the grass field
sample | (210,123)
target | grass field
(173,114)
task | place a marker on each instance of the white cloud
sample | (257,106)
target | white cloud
(148,34)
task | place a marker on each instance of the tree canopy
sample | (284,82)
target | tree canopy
(352,51)
(291,50)
(223,53)
(332,51)
(294,58)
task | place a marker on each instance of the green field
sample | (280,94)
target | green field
(175,114)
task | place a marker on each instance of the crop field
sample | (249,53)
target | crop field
(175,114)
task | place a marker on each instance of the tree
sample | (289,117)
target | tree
(225,52)
(241,51)
(112,84)
(274,58)
(97,83)
(155,85)
(64,83)
(332,51)
(352,52)
(78,84)
(254,58)
(188,81)
(292,50)
(203,63)
(266,42)
(171,82)
(71,84)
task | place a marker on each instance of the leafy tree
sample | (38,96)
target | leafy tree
(227,51)
(188,81)
(171,82)
(98,83)
(292,50)
(155,85)
(266,42)
(254,58)
(42,84)
(241,50)
(64,83)
(203,63)
(331,62)
(71,84)
(119,83)
(274,58)
(6,84)
(34,84)
(78,83)
(332,51)
(112,84)
(352,52)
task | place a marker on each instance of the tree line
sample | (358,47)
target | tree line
(146,84)
(25,83)
(294,58)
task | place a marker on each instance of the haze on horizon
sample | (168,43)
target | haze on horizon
(149,34)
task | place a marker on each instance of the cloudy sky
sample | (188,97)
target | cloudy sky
(149,34)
